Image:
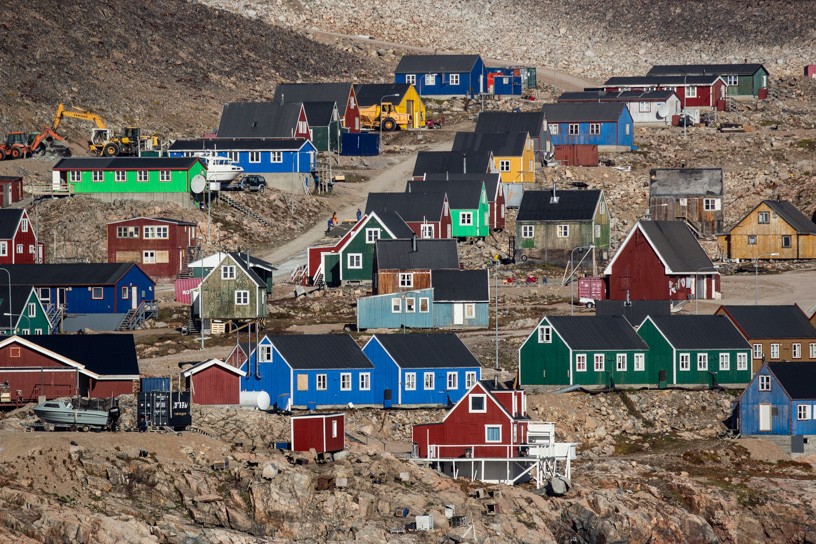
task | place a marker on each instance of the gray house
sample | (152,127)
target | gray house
(693,195)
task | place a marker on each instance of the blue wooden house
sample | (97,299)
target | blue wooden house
(443,75)
(423,369)
(255,156)
(780,400)
(312,371)
(608,125)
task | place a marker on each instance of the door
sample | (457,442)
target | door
(700,288)
(409,109)
(458,314)
(61,298)
(134,297)
(764,417)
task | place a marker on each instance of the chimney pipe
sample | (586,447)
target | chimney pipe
(414,243)
(464,163)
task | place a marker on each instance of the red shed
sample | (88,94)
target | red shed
(577,155)
(18,241)
(162,247)
(11,190)
(810,70)
(323,432)
(214,382)
(661,260)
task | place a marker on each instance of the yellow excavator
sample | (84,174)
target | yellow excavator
(103,141)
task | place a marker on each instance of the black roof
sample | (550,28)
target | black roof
(796,377)
(501,144)
(456,162)
(635,311)
(395,224)
(162,219)
(531,122)
(369,94)
(421,350)
(616,96)
(238,144)
(574,205)
(703,69)
(583,112)
(445,64)
(67,274)
(676,246)
(430,254)
(491,180)
(410,206)
(126,163)
(315,92)
(320,351)
(461,194)
(782,321)
(20,295)
(259,119)
(654,81)
(597,333)
(240,259)
(10,178)
(700,332)
(460,285)
(685,181)
(104,354)
(320,114)
(792,216)
(247,347)
(9,221)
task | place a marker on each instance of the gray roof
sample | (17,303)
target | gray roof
(240,258)
(19,299)
(654,81)
(582,112)
(574,205)
(700,332)
(320,351)
(676,246)
(369,94)
(455,162)
(460,285)
(430,254)
(411,207)
(315,92)
(445,64)
(616,96)
(796,377)
(635,312)
(461,194)
(491,180)
(779,321)
(422,350)
(531,122)
(259,119)
(702,69)
(9,221)
(320,114)
(792,216)
(501,144)
(686,181)
(238,144)
(67,274)
(395,224)
(597,333)
(126,163)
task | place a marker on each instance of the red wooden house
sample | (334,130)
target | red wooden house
(11,190)
(661,260)
(214,382)
(162,247)
(326,433)
(703,91)
(341,94)
(18,241)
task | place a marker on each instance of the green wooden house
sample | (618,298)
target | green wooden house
(99,175)
(469,205)
(25,314)
(584,350)
(696,350)
(550,224)
(231,291)
(742,80)
(324,125)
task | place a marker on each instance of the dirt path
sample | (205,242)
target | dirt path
(794,287)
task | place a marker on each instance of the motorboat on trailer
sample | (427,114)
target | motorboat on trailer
(219,168)
(61,413)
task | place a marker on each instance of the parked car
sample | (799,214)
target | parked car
(253,183)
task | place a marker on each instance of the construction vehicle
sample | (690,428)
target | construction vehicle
(393,120)
(19,145)
(103,141)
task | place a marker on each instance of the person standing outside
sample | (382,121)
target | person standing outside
(359,214)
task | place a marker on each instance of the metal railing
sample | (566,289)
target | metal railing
(137,318)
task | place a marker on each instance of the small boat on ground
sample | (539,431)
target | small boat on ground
(221,169)
(62,413)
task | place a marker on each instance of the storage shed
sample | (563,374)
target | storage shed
(780,400)
(325,433)
(692,195)
(11,190)
(214,382)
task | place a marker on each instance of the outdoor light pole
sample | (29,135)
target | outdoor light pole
(696,283)
(756,275)
(580,249)
(381,118)
(18,315)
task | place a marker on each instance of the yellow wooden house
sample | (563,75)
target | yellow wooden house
(513,152)
(406,101)
(772,227)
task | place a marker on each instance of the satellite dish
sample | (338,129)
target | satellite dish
(198,184)
(664,110)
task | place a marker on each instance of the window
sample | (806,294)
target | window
(430,79)
(119,175)
(802,412)
(544,335)
(453,380)
(562,231)
(265,353)
(345,381)
(466,219)
(599,362)
(372,235)
(148,257)
(302,126)
(232,155)
(276,156)
(97,293)
(396,306)
(410,305)
(470,311)
(580,362)
(427,231)
(774,351)
(470,379)
(725,361)
(428,380)
(710,204)
(32,309)
(765,383)
(141,175)
(255,156)
(594,129)
(31,249)
(157,233)
(227,272)
(626,129)
(410,79)
(406,280)
(751,240)
(410,381)
(45,295)
(685,361)
(644,107)
(492,433)
(355,261)
(813,350)
(597,231)
(242,298)
(757,351)
(742,361)
(573,129)
(454,79)
(640,362)
(365,381)
(527,231)
(786,241)
(764,217)
(691,92)
(37,331)
(334,428)
(423,305)
(320,383)
(164,175)
(19,248)
(26,331)
(702,362)
(478,404)
(75,176)
(3,249)
(24,225)
(620,362)
(731,80)
(127,232)
(796,351)
(504,165)
(97,176)
(554,129)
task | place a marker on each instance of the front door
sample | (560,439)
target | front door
(134,297)
(764,417)
(409,109)
(61,297)
(458,314)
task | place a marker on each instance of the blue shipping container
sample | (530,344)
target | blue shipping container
(155,384)
(360,144)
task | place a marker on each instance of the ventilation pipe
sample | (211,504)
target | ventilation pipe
(554,197)
(413,243)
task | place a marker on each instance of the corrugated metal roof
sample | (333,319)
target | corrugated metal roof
(410,206)
(455,162)
(491,180)
(583,112)
(685,181)
(571,205)
(778,321)
(531,122)
(104,354)
(125,163)
(653,81)
(9,221)
(259,119)
(635,312)
(67,274)
(419,350)
(238,144)
(612,332)
(501,144)
(677,246)
(792,216)
(461,194)
(796,377)
(445,64)
(700,332)
(314,92)
(460,285)
(369,94)
(430,254)
(320,351)
(703,69)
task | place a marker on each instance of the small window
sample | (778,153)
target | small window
(580,362)
(731,80)
(127,232)
(365,381)
(45,295)
(24,225)
(345,381)
(157,232)
(764,383)
(410,79)
(627,129)
(803,412)
(406,280)
(424,305)
(702,362)
(466,219)
(372,235)
(478,404)
(38,331)
(32,309)
(233,156)
(774,351)
(427,231)
(164,175)
(454,79)
(757,351)
(685,361)
(504,165)
(544,335)
(554,129)
(527,231)
(265,353)
(594,129)
(470,379)
(429,380)
(725,361)
(813,350)
(125,292)
(644,107)
(562,231)
(355,261)
(242,298)
(691,92)
(334,428)
(796,350)
(75,176)
(453,380)
(97,293)
(31,249)
(20,248)
(640,362)
(710,204)
(764,217)
(599,362)
(120,176)
(410,305)
(410,381)
(620,362)
(470,311)
(227,272)
(141,175)
(751,240)
(254,156)
(786,241)
(3,249)
(430,79)
(97,176)
(148,257)
(492,433)
(396,305)
(742,361)
(574,129)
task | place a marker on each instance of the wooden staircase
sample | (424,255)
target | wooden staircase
(244,210)
(191,255)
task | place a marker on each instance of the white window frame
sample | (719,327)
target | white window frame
(365,381)
(731,80)
(228,272)
(764,215)
(424,302)
(452,380)
(31,249)
(796,350)
(742,361)
(165,176)
(786,241)
(75,176)
(410,79)
(254,157)
(710,204)
(242,298)
(354,261)
(148,256)
(276,157)
(725,361)
(554,129)
(527,231)
(156,232)
(640,362)
(32,309)
(487,434)
(334,428)
(120,176)
(44,293)
(453,79)
(620,362)
(580,362)
(644,107)
(470,380)
(775,351)
(545,334)
(599,362)
(372,235)
(473,410)
(757,351)
(127,232)
(406,280)
(38,331)
(410,381)
(24,225)
(426,231)
(396,305)
(345,381)
(97,176)
(19,248)
(264,353)
(813,350)
(321,381)
(142,176)
(691,91)
(764,383)
(562,231)
(466,219)
(410,305)
(470,311)
(233,156)
(428,381)
(594,129)
(430,79)
(685,362)
(702,362)
(574,129)
(802,412)
(101,293)
(504,165)
(3,249)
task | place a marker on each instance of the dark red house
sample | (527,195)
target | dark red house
(95,366)
(704,91)
(661,260)
(162,247)
(214,382)
(11,190)
(342,94)
(325,433)
(18,241)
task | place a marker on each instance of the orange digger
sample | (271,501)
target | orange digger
(18,145)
